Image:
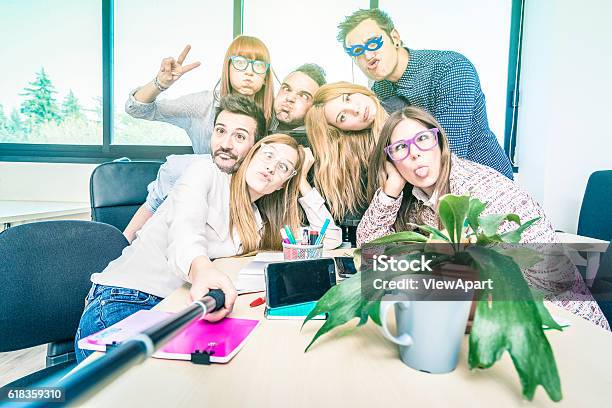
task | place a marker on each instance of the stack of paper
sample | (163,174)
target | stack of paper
(251,277)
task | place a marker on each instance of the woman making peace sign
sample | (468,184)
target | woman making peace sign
(246,71)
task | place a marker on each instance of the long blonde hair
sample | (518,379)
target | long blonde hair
(277,209)
(252,48)
(377,175)
(341,156)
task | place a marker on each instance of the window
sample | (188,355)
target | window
(76,61)
(145,32)
(52,72)
(480,30)
(304,32)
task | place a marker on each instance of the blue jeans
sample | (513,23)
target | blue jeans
(107,305)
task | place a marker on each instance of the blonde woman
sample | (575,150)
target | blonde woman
(343,126)
(412,167)
(246,71)
(196,223)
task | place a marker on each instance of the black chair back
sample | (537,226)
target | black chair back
(117,189)
(45,271)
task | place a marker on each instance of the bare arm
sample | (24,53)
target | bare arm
(138,220)
(147,93)
(170,70)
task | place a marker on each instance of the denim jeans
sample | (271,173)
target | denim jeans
(106,306)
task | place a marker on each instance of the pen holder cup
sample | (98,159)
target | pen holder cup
(293,252)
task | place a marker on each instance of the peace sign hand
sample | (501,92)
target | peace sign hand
(171,69)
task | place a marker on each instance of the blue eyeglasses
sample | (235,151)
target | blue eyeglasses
(372,44)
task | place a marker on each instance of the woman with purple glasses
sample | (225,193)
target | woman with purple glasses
(412,167)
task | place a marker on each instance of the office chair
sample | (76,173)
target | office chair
(45,270)
(596,211)
(118,188)
(602,285)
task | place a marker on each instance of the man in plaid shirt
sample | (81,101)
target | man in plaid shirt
(443,82)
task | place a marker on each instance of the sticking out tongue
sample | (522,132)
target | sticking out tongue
(422,171)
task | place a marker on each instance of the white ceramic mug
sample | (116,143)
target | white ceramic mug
(429,332)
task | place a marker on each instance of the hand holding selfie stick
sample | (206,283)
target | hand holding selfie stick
(138,348)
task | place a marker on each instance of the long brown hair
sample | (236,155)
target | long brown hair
(341,156)
(251,48)
(277,209)
(377,174)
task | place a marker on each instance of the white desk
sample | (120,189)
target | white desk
(593,248)
(358,369)
(25,211)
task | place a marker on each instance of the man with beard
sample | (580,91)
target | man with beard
(295,98)
(239,124)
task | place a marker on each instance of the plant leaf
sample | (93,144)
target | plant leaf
(514,237)
(342,303)
(524,257)
(476,207)
(374,312)
(404,236)
(490,223)
(482,239)
(547,319)
(434,232)
(511,325)
(453,211)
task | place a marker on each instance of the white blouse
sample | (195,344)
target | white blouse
(192,222)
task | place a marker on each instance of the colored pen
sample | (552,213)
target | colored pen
(325,225)
(314,235)
(284,236)
(290,235)
(306,236)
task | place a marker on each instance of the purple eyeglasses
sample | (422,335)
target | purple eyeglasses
(425,140)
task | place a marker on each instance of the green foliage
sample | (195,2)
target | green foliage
(500,324)
(41,120)
(3,119)
(15,123)
(71,107)
(453,211)
(129,130)
(40,105)
(511,325)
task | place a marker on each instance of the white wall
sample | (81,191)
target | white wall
(563,132)
(479,29)
(45,181)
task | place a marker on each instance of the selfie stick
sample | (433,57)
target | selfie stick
(136,349)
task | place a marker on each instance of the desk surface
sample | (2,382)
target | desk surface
(18,211)
(582,243)
(360,369)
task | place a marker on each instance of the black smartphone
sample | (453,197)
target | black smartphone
(345,266)
(290,283)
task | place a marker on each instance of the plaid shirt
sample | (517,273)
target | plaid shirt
(447,85)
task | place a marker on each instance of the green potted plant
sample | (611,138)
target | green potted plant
(498,326)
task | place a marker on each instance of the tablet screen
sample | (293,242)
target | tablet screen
(290,283)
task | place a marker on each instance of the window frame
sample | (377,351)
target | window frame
(71,153)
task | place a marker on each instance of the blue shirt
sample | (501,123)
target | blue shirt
(446,84)
(167,176)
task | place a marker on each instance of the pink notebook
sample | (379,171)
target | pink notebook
(224,338)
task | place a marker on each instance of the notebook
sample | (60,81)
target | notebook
(224,338)
(251,276)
